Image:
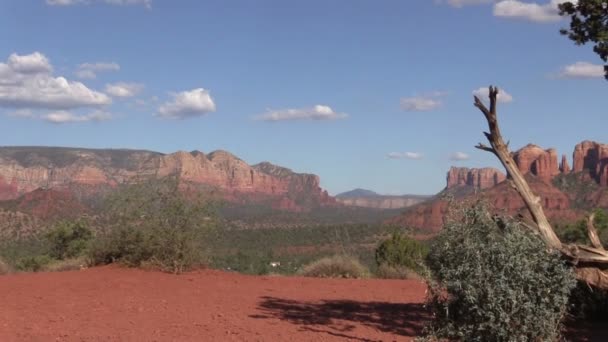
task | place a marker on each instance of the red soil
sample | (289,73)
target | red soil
(116,304)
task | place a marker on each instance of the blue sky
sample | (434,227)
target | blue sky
(372,94)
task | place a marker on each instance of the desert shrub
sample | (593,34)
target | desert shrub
(32,263)
(401,251)
(338,266)
(496,281)
(68,239)
(158,223)
(573,233)
(121,244)
(64,265)
(4,267)
(386,271)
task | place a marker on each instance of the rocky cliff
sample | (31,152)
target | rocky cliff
(475,178)
(592,157)
(565,193)
(541,163)
(25,169)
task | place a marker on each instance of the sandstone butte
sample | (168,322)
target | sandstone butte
(24,170)
(590,164)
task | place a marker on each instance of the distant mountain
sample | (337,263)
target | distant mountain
(357,193)
(370,199)
(85,172)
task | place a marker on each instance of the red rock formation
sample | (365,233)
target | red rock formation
(29,169)
(430,216)
(592,157)
(564,167)
(541,163)
(477,178)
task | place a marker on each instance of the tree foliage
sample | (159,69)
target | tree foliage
(588,24)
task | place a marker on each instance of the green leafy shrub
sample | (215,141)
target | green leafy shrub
(158,223)
(33,263)
(338,266)
(493,280)
(401,251)
(68,239)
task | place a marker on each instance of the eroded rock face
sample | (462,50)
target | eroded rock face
(541,163)
(592,157)
(24,169)
(477,178)
(564,167)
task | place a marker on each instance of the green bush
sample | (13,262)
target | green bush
(156,222)
(33,263)
(127,245)
(493,280)
(338,266)
(68,239)
(401,251)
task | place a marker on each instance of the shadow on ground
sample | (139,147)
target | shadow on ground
(340,317)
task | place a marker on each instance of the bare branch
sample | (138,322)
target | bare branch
(485,148)
(592,233)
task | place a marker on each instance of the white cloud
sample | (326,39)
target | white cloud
(26,82)
(145,3)
(29,64)
(123,89)
(582,70)
(318,112)
(90,70)
(64,2)
(62,116)
(187,104)
(484,94)
(459,156)
(423,103)
(462,3)
(405,155)
(531,11)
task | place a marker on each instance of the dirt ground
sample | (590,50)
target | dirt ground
(118,304)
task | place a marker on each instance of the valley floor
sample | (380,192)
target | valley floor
(118,304)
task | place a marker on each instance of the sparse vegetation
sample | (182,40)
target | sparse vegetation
(157,223)
(493,280)
(337,266)
(386,271)
(65,265)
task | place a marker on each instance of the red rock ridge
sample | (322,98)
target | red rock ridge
(477,178)
(23,170)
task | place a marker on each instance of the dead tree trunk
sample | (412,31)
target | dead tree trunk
(591,262)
